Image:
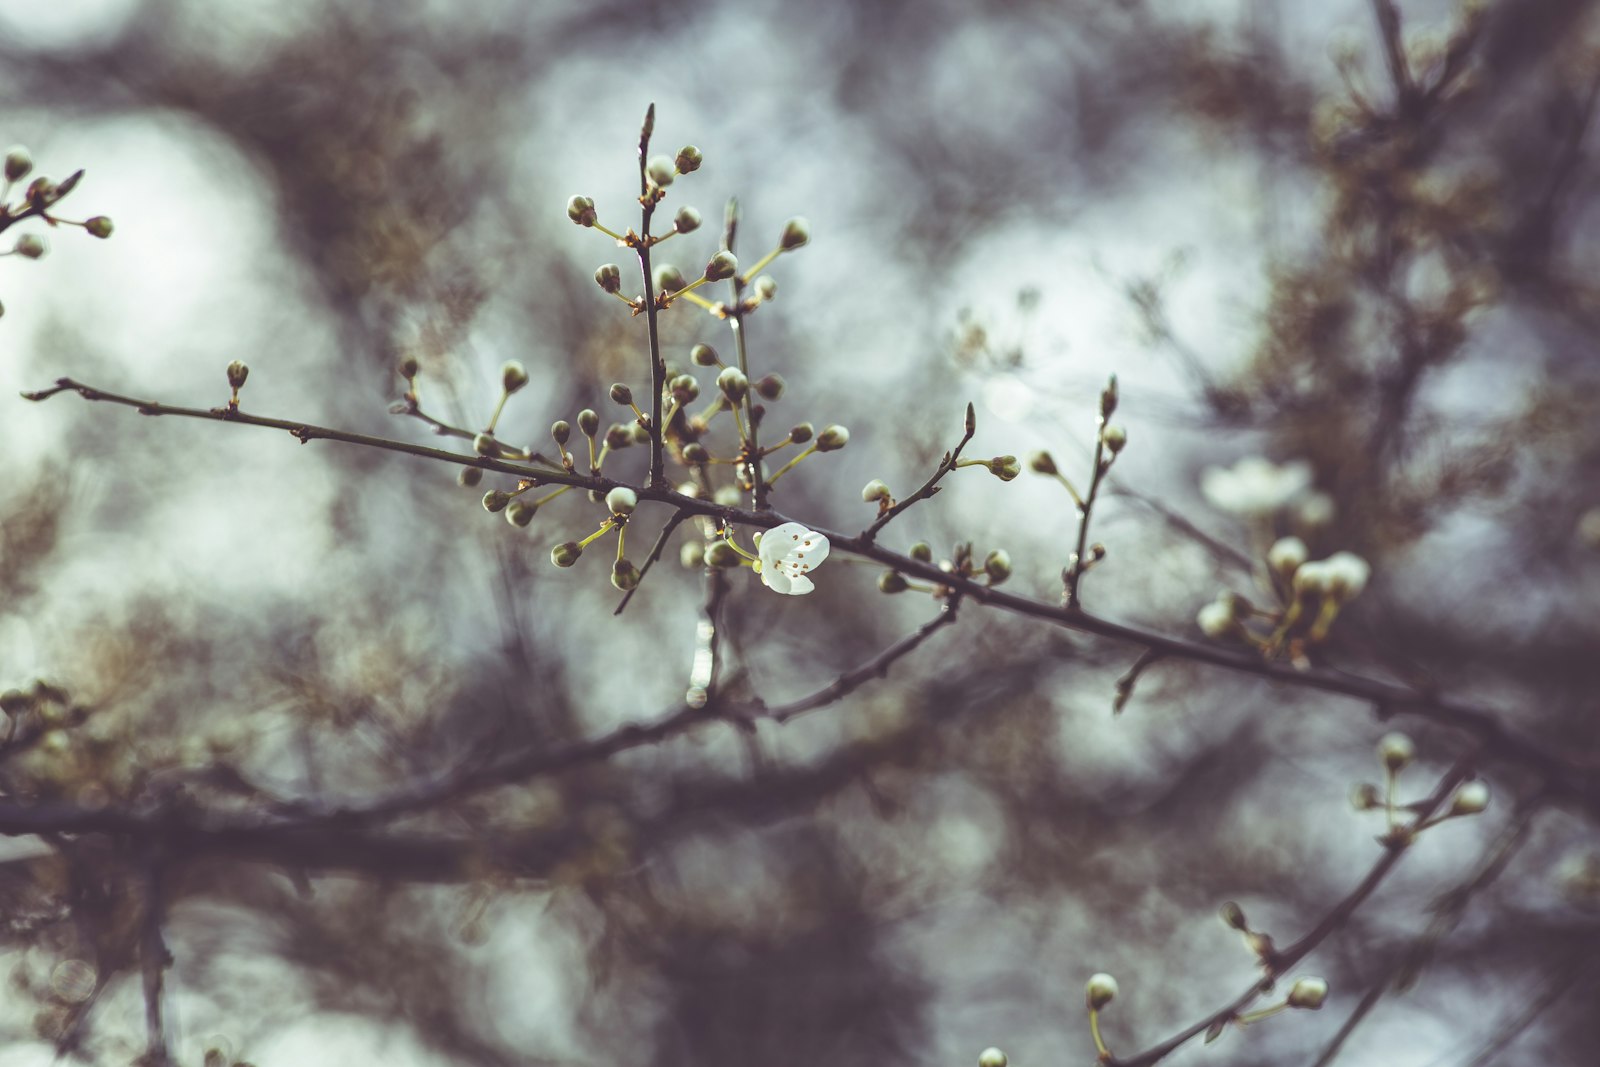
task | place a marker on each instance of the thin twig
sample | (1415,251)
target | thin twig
(1124,689)
(154,959)
(1076,567)
(929,487)
(658,368)
(752,444)
(655,554)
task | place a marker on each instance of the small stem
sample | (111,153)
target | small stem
(760,263)
(605,527)
(789,465)
(1094,1029)
(498,408)
(658,368)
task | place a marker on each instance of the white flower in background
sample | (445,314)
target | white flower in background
(787,553)
(1347,575)
(1255,486)
(1287,555)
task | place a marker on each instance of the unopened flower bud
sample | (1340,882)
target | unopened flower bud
(722,554)
(1042,462)
(891,582)
(1470,799)
(992,1057)
(1101,990)
(704,356)
(771,387)
(722,265)
(1308,993)
(641,436)
(727,496)
(1005,467)
(624,575)
(1108,398)
(687,220)
(561,430)
(470,476)
(1395,751)
(696,453)
(766,287)
(801,434)
(621,394)
(1216,619)
(588,422)
(521,512)
(408,367)
(1366,797)
(41,192)
(1115,439)
(237,373)
(796,233)
(580,209)
(496,500)
(1286,555)
(734,384)
(684,388)
(621,500)
(609,277)
(997,565)
(1233,916)
(513,375)
(670,279)
(830,439)
(661,170)
(1347,575)
(692,554)
(876,489)
(29,246)
(484,444)
(99,226)
(566,553)
(618,437)
(18,164)
(922,552)
(689,159)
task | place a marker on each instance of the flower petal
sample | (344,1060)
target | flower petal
(774,578)
(801,584)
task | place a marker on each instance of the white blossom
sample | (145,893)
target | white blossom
(787,553)
(1255,486)
(1216,619)
(1347,574)
(1287,554)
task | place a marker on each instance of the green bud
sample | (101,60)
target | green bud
(771,387)
(921,552)
(796,234)
(1395,751)
(1115,439)
(801,433)
(684,388)
(661,170)
(580,209)
(1233,916)
(621,500)
(1042,462)
(470,476)
(832,439)
(670,279)
(496,500)
(876,489)
(41,192)
(566,553)
(641,436)
(1108,399)
(609,277)
(722,265)
(1308,993)
(513,375)
(892,582)
(588,422)
(484,444)
(237,373)
(621,394)
(100,226)
(408,367)
(618,437)
(696,453)
(624,575)
(520,513)
(687,220)
(18,164)
(692,554)
(997,566)
(689,159)
(766,287)
(561,430)
(1101,990)
(992,1057)
(722,554)
(29,246)
(1005,467)
(1366,797)
(704,356)
(734,384)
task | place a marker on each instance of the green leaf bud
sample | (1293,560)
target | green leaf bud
(496,500)
(892,582)
(513,375)
(1042,462)
(561,430)
(100,226)
(670,279)
(470,476)
(771,387)
(661,170)
(922,552)
(588,422)
(484,444)
(722,265)
(609,277)
(580,209)
(1108,398)
(796,234)
(832,439)
(408,367)
(997,566)
(520,513)
(689,159)
(566,553)
(1233,916)
(621,394)
(687,220)
(29,246)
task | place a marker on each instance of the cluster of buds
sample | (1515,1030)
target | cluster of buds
(39,198)
(1396,752)
(994,568)
(1309,596)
